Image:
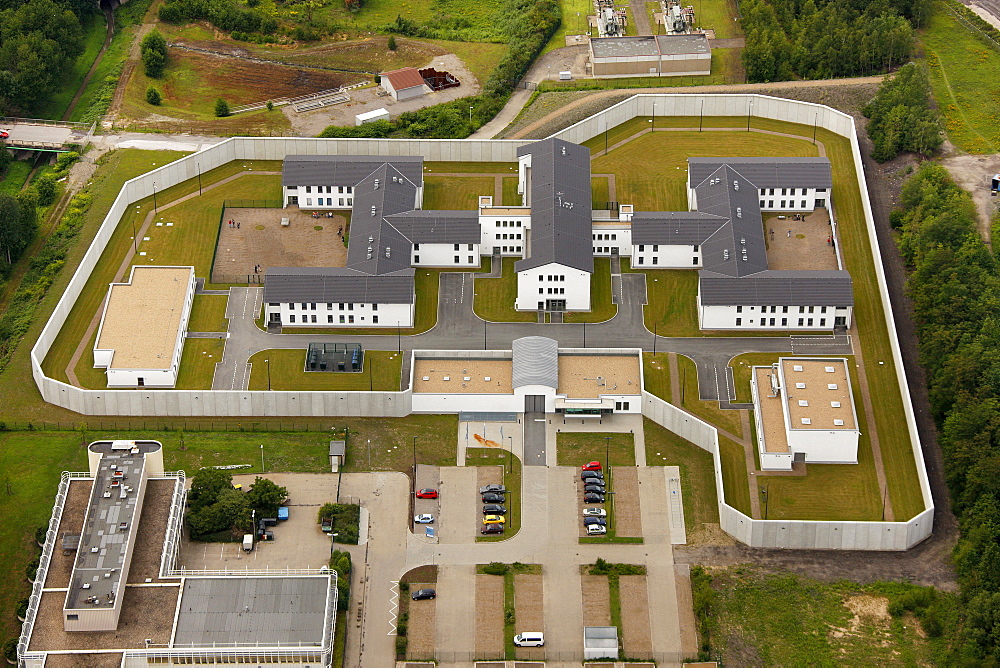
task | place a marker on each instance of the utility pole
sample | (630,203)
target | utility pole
(749,109)
(198,164)
(815,123)
(261,457)
(267,363)
(154,197)
(701,119)
(369,454)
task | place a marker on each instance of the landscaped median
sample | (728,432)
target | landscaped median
(623,588)
(522,611)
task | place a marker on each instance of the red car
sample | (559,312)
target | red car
(592,466)
(4,134)
(427,494)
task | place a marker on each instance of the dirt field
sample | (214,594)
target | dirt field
(421,625)
(626,487)
(529,608)
(261,242)
(596,600)
(488,475)
(489,615)
(808,247)
(635,614)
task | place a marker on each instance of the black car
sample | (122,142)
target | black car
(593,497)
(595,520)
(492,489)
(494,509)
(592,474)
(492,528)
(593,487)
(423,594)
(493,497)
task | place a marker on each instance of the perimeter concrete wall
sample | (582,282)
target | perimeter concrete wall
(791,534)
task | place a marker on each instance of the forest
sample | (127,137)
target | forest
(901,117)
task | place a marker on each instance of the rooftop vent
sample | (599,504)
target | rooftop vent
(829,369)
(838,423)
(835,404)
(803,402)
(807,421)
(800,386)
(831,386)
(797,367)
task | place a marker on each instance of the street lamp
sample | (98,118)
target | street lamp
(369,454)
(749,109)
(763,491)
(470,114)
(198,165)
(135,239)
(261,457)
(154,196)
(267,363)
(607,450)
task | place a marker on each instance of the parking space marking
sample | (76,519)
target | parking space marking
(393,607)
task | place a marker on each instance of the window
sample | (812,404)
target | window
(470,246)
(350,319)
(374,319)
(541,291)
(762,204)
(340,189)
(312,307)
(762,192)
(291,318)
(329,189)
(739,321)
(516,236)
(517,249)
(694,261)
(773,308)
(456,245)
(374,307)
(696,248)
(821,190)
(498,237)
(562,278)
(350,307)
(800,322)
(642,248)
(471,260)
(456,259)
(308,189)
(803,204)
(656,248)
(770,203)
(822,322)
(784,322)
(772,322)
(329,307)
(541,278)
(349,201)
(416,259)
(763,322)
(309,201)
(416,247)
(822,309)
(771,191)
(812,308)
(656,260)
(340,201)
(341,320)
(783,191)
(72,618)
(784,309)
(802,309)
(291,307)
(329,319)
(810,322)
(313,319)
(739,309)
(303,306)
(782,204)
(293,187)
(350,189)
(641,259)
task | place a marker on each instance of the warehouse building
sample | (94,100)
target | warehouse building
(650,56)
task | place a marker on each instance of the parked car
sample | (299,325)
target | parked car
(595,512)
(265,536)
(493,489)
(423,594)
(592,474)
(4,134)
(592,466)
(593,497)
(427,493)
(594,488)
(425,518)
(326,525)
(599,521)
(529,639)
(596,530)
(494,519)
(492,528)
(494,509)
(493,497)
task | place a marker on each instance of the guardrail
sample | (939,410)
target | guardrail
(175,526)
(13,120)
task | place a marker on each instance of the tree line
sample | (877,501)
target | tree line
(823,39)
(901,117)
(955,288)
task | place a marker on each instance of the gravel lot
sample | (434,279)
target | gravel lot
(421,626)
(626,487)
(596,600)
(635,614)
(489,615)
(528,603)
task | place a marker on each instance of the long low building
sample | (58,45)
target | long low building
(651,56)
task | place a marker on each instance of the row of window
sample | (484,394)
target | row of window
(656,260)
(508,223)
(551,279)
(803,322)
(770,191)
(344,320)
(329,189)
(552,291)
(656,248)
(329,307)
(416,247)
(512,236)
(457,260)
(784,309)
(329,201)
(605,237)
(791,203)
(621,405)
(511,249)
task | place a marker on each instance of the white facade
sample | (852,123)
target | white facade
(319,197)
(663,256)
(811,318)
(793,199)
(445,255)
(612,240)
(537,288)
(334,315)
(503,229)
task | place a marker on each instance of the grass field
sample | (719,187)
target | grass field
(734,475)
(672,310)
(960,65)
(665,448)
(601,307)
(509,168)
(287,372)
(198,363)
(510,195)
(94,30)
(717,15)
(576,449)
(456,193)
(15,176)
(656,375)
(574,22)
(511,479)
(809,622)
(599,192)
(209,314)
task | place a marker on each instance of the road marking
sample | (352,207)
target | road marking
(393,606)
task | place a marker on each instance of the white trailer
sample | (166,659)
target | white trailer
(371,117)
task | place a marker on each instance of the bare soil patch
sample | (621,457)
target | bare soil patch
(635,614)
(261,242)
(626,499)
(489,615)
(596,600)
(868,609)
(488,475)
(421,626)
(800,244)
(528,603)
(420,574)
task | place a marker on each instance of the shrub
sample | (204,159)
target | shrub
(221,108)
(270,105)
(10,649)
(40,533)
(392,42)
(31,570)
(153,96)
(400,647)
(45,186)
(496,568)
(154,54)
(22,608)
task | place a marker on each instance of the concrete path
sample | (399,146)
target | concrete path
(640,17)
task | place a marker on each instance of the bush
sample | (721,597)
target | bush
(270,105)
(31,570)
(154,55)
(346,519)
(400,647)
(221,108)
(153,96)
(22,608)
(392,42)
(340,561)
(41,533)
(496,568)
(45,186)
(10,649)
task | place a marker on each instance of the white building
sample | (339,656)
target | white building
(804,412)
(328,181)
(141,336)
(371,117)
(404,84)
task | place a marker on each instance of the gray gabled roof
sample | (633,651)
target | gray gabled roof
(344,170)
(680,228)
(336,284)
(438,227)
(774,287)
(737,248)
(376,246)
(768,172)
(561,223)
(535,361)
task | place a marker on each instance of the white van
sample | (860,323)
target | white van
(530,639)
(248,542)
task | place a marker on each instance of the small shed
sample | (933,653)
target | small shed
(338,451)
(600,642)
(404,84)
(371,116)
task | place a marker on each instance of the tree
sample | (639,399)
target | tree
(392,42)
(153,96)
(6,157)
(154,54)
(17,225)
(221,108)
(230,511)
(45,186)
(265,496)
(206,485)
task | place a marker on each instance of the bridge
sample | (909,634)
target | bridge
(33,134)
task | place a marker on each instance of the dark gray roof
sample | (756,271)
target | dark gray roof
(438,227)
(768,172)
(560,201)
(681,228)
(616,47)
(344,170)
(736,248)
(375,246)
(676,45)
(535,361)
(336,284)
(767,288)
(254,611)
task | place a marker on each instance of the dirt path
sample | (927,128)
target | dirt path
(109,17)
(421,626)
(973,173)
(489,615)
(628,521)
(133,58)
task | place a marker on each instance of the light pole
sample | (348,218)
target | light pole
(654,338)
(414,463)
(763,491)
(154,197)
(135,239)
(470,114)
(510,455)
(749,109)
(607,451)
(369,454)
(815,123)
(198,164)
(701,119)
(267,363)
(261,457)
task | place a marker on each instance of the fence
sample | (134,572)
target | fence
(252,204)
(174,530)
(545,654)
(320,425)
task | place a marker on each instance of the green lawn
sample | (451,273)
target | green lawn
(656,375)
(574,22)
(480,57)
(576,449)
(198,363)
(287,372)
(599,192)
(510,194)
(665,448)
(734,475)
(672,310)
(94,30)
(511,479)
(717,15)
(708,411)
(470,168)
(15,176)
(209,314)
(601,307)
(494,297)
(456,193)
(962,68)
